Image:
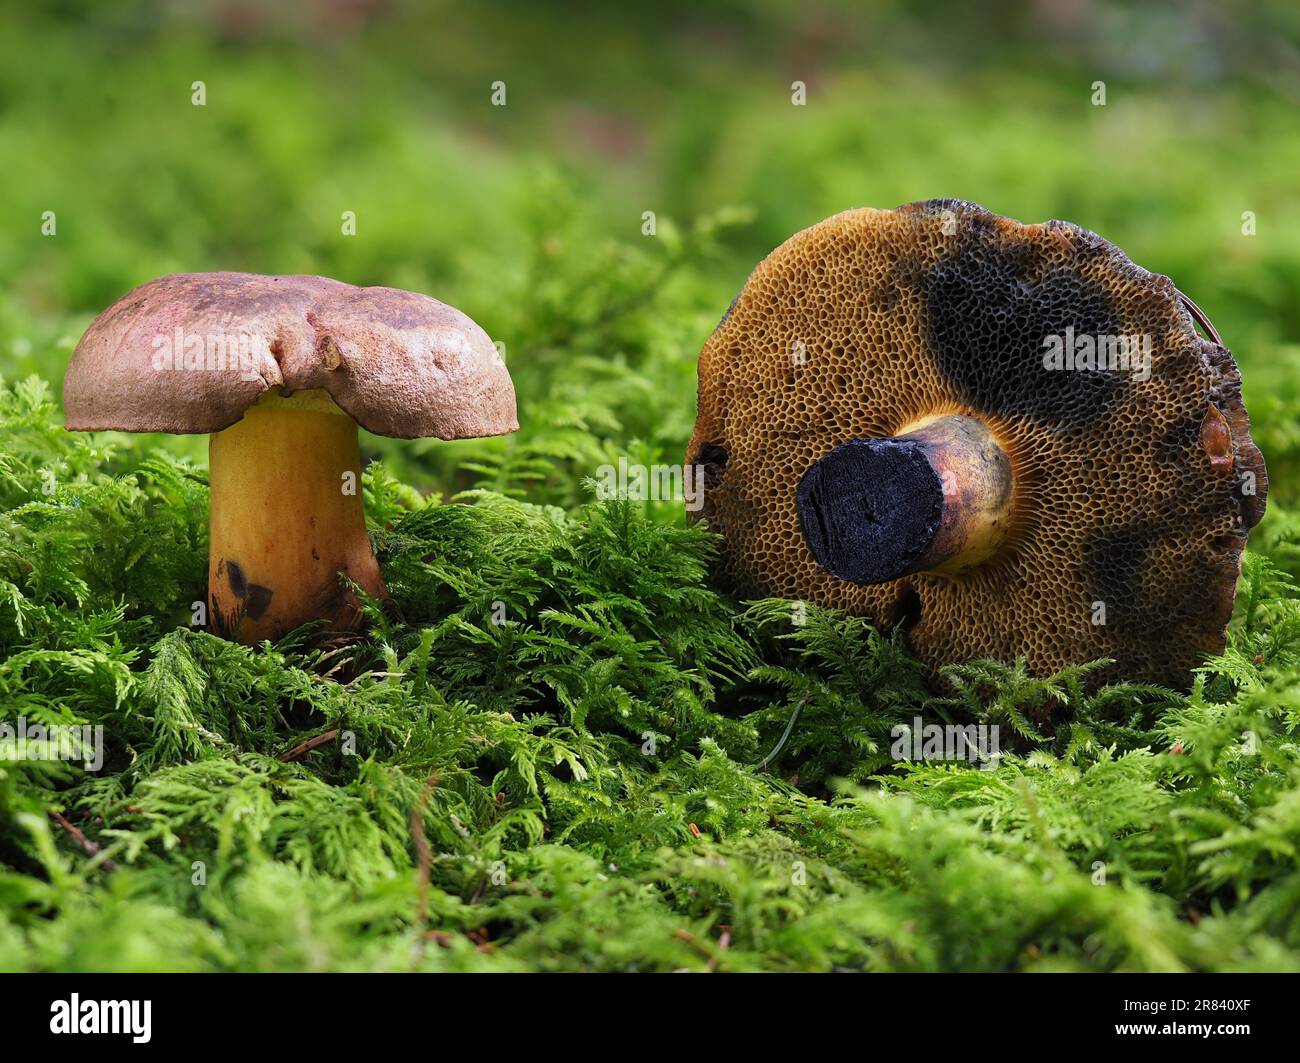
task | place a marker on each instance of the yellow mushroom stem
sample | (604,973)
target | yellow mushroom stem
(287,519)
(937,497)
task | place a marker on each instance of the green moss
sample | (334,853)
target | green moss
(568,780)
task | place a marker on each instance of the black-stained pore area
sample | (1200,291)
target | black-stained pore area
(987,315)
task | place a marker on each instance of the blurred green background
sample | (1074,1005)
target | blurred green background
(529,216)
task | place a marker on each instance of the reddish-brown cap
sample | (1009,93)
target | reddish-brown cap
(191,352)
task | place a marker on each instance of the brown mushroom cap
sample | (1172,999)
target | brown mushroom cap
(1129,492)
(400,364)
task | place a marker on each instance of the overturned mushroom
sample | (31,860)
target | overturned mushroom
(1006,437)
(281,371)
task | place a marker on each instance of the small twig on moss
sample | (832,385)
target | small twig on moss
(785,735)
(90,848)
(423,852)
(303,748)
(724,942)
(479,890)
(697,945)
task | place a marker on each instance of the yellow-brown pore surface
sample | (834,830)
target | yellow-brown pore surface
(1131,493)
(286,521)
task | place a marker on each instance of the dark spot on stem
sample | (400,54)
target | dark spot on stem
(259,598)
(235,577)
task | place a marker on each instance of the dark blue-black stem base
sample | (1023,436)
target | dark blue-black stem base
(870,509)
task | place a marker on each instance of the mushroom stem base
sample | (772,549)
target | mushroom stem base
(937,497)
(287,519)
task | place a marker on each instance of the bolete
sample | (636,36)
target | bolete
(1008,438)
(281,371)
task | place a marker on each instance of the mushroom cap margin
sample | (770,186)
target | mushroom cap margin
(399,363)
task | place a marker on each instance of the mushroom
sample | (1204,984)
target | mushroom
(281,371)
(1007,438)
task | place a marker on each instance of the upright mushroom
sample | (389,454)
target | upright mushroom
(281,371)
(1008,438)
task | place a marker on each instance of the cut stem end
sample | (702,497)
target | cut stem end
(935,498)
